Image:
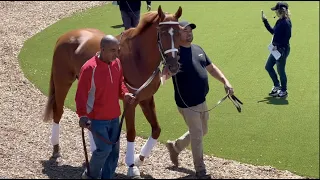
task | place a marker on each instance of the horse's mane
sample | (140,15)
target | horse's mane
(146,21)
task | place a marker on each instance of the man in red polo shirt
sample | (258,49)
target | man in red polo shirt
(97,101)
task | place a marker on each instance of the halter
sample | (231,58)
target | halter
(163,53)
(161,50)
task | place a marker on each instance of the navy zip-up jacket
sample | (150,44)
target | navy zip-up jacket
(134,5)
(281,32)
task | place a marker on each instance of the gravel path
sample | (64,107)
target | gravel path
(24,145)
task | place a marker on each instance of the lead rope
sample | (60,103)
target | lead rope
(234,100)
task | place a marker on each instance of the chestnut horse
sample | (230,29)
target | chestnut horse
(142,50)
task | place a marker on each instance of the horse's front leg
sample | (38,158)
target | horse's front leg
(149,111)
(133,171)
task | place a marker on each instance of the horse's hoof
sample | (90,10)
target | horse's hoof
(56,155)
(134,172)
(56,152)
(137,160)
(137,177)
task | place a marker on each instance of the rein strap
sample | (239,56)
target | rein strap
(233,98)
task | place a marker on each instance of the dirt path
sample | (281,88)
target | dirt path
(24,144)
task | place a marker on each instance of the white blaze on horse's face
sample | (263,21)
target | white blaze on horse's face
(172,42)
(170,31)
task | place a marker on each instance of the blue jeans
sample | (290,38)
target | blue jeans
(281,64)
(106,156)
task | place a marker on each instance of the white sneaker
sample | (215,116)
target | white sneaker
(282,94)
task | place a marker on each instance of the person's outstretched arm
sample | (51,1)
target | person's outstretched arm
(268,27)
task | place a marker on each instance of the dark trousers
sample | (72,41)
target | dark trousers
(130,19)
(281,64)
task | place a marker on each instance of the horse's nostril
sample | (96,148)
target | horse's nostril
(173,68)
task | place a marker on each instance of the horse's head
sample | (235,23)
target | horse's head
(168,39)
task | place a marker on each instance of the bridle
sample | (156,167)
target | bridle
(173,49)
(163,55)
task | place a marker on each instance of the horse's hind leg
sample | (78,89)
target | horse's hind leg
(62,82)
(148,108)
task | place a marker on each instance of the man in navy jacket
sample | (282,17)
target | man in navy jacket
(130,12)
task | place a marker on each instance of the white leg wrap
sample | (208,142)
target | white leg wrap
(55,134)
(130,153)
(93,146)
(137,161)
(148,146)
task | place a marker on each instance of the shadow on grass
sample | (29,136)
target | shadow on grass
(117,26)
(275,101)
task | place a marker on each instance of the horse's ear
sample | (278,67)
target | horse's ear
(160,13)
(178,13)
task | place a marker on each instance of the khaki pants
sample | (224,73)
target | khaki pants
(198,127)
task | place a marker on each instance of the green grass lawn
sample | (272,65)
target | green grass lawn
(283,134)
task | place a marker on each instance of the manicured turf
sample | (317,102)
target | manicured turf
(280,133)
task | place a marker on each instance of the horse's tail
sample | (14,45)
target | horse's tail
(48,113)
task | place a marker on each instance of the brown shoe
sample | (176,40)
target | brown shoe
(173,153)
